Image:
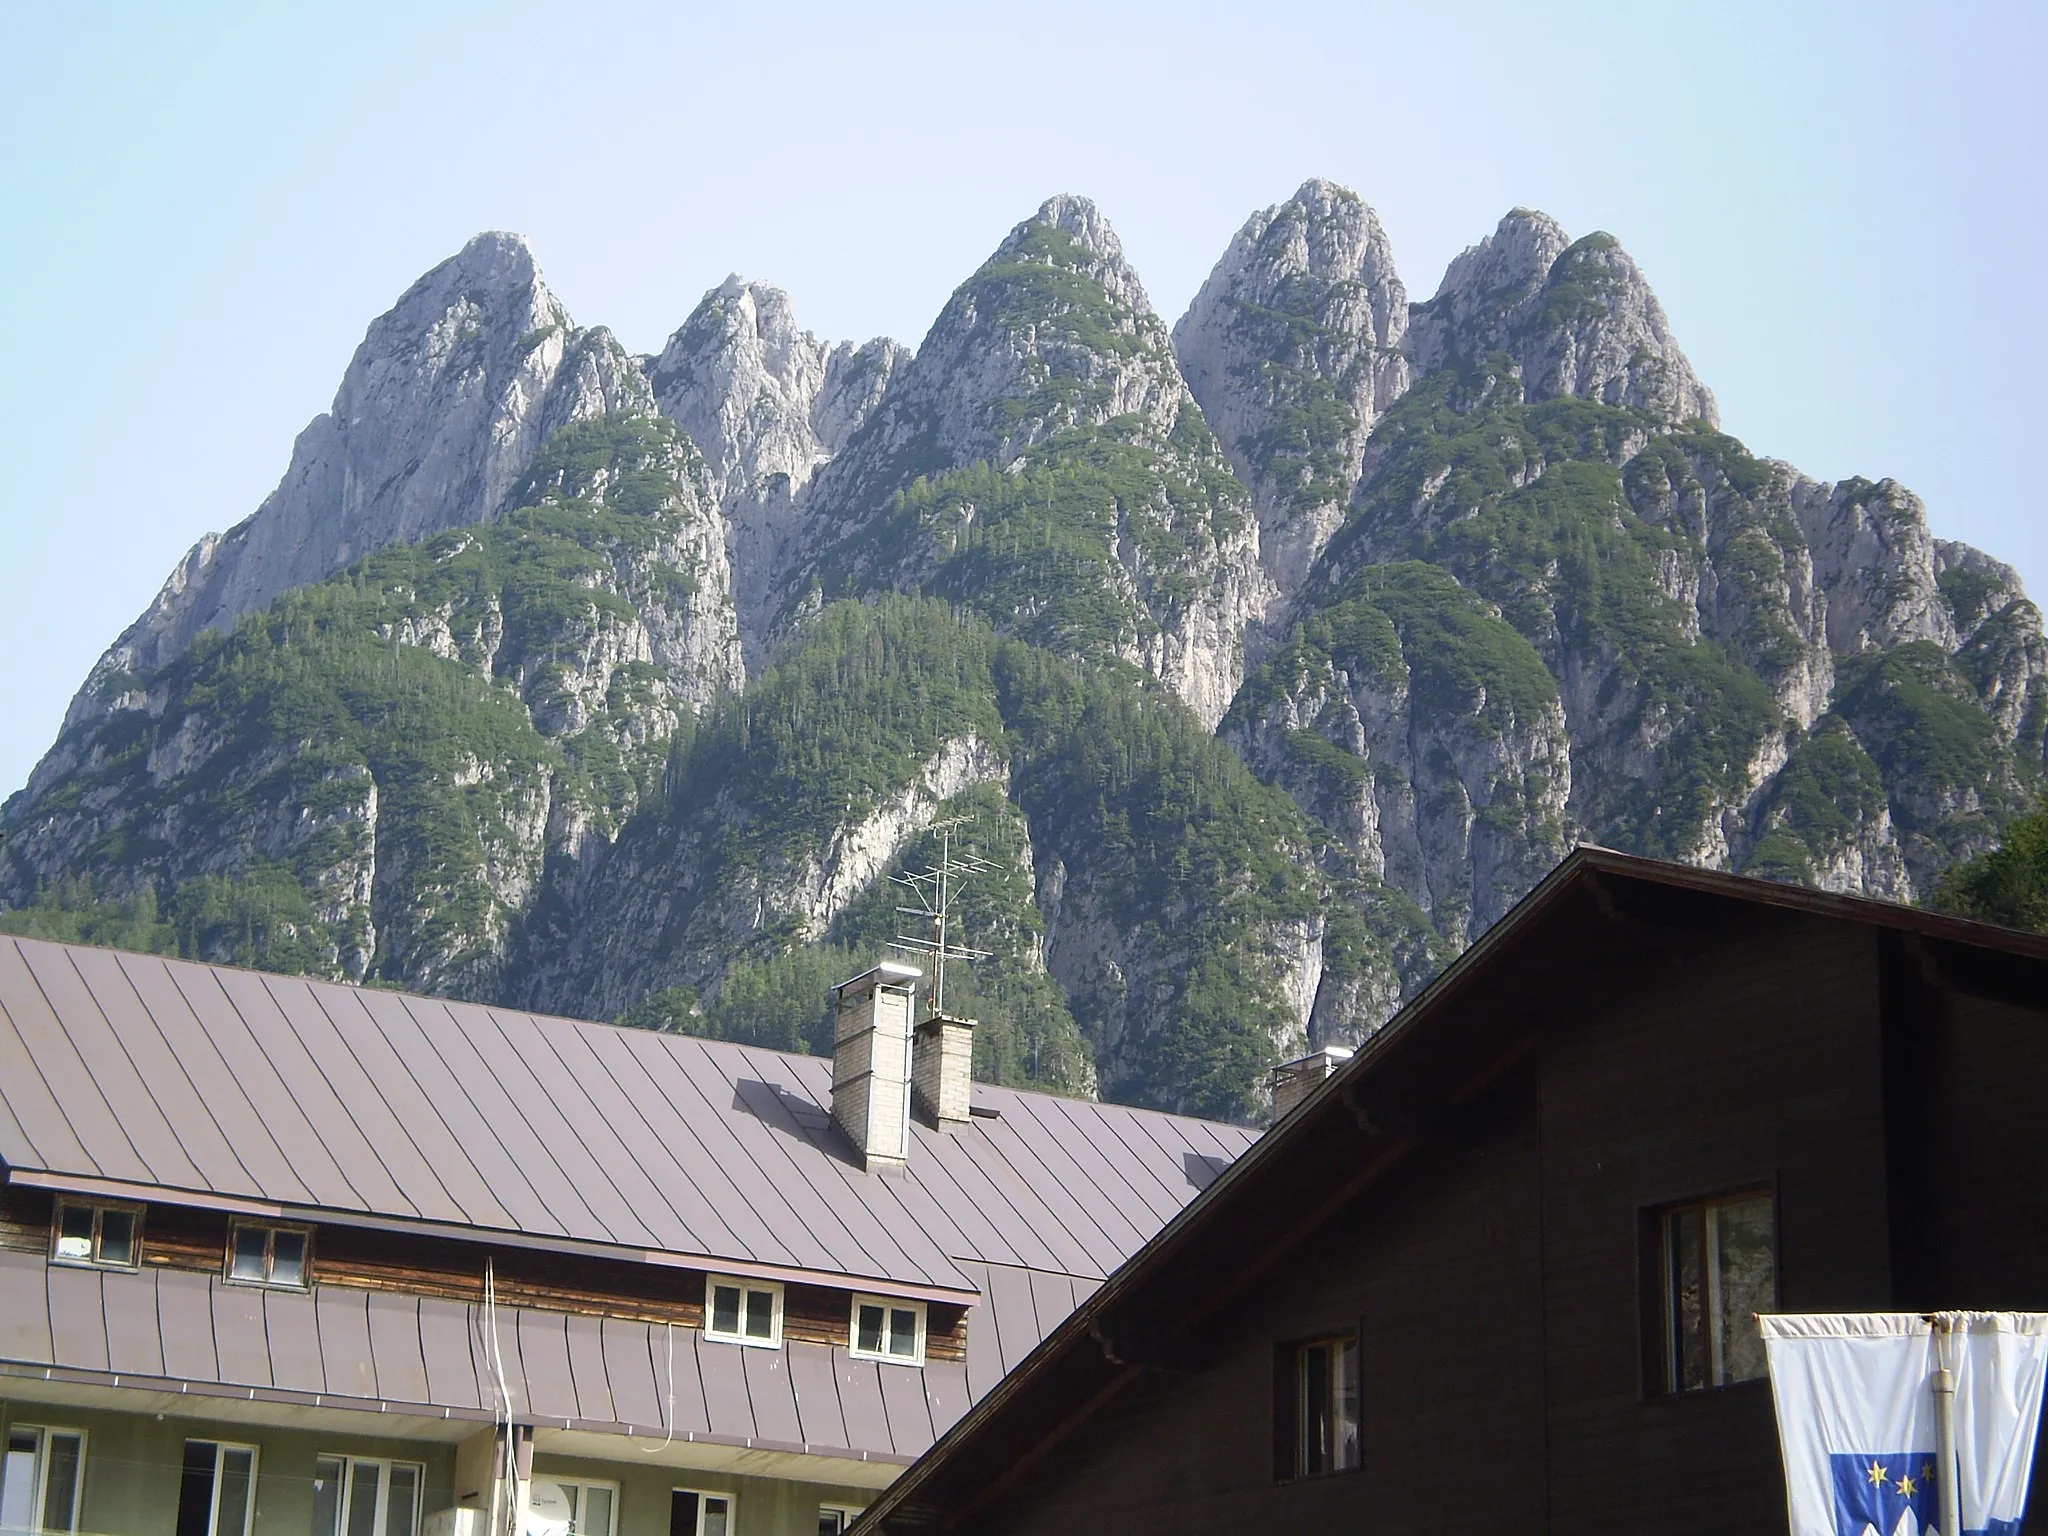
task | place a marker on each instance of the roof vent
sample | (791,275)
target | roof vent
(942,1068)
(1294,1081)
(871,1061)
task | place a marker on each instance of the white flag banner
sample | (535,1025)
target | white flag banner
(1858,1422)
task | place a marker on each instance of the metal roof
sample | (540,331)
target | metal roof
(209,1085)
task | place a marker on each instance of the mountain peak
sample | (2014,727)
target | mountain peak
(1577,317)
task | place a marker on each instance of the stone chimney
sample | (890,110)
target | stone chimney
(942,1068)
(1294,1081)
(871,1062)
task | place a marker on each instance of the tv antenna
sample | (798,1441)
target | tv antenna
(935,890)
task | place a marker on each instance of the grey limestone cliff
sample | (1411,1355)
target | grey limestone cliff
(443,407)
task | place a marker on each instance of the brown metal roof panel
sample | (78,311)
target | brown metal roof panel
(933,1191)
(839,1201)
(726,1229)
(771,1395)
(1087,1215)
(670,1204)
(724,1375)
(910,1415)
(817,1394)
(135,1347)
(238,1335)
(702,1100)
(1044,1212)
(47,1087)
(293,1334)
(447,1329)
(302,1089)
(250,1100)
(184,1314)
(587,1373)
(679,1354)
(535,1159)
(399,1069)
(860,1402)
(396,1349)
(1016,1313)
(947,1393)
(1103,1189)
(606,1216)
(311,1006)
(984,1347)
(24,1308)
(491,1175)
(543,1360)
(78,1318)
(201,1097)
(88,1023)
(629,1203)
(345,1356)
(1153,1178)
(632,1373)
(1007,1232)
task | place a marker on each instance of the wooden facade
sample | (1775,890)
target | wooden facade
(1478,1196)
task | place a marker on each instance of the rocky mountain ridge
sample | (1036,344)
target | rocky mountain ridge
(1275,655)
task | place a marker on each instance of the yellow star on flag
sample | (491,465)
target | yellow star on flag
(1906,1487)
(1876,1474)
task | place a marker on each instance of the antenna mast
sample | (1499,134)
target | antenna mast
(934,890)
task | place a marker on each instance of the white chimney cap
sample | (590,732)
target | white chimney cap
(889,973)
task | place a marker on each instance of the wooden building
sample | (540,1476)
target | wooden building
(1497,1273)
(285,1258)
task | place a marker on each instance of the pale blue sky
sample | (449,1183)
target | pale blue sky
(1841,207)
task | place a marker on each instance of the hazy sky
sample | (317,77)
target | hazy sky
(1841,207)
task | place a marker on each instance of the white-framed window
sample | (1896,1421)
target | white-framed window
(217,1496)
(43,1479)
(1319,1432)
(833,1519)
(887,1328)
(1720,1270)
(259,1254)
(98,1233)
(364,1496)
(570,1506)
(740,1311)
(698,1512)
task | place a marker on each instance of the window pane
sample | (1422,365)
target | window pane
(74,1232)
(61,1454)
(195,1493)
(117,1237)
(902,1332)
(1743,1255)
(18,1480)
(402,1507)
(287,1258)
(831,1522)
(363,1480)
(247,1262)
(1315,1399)
(1347,1405)
(760,1315)
(682,1513)
(237,1489)
(717,1516)
(1685,1304)
(327,1474)
(595,1518)
(725,1309)
(868,1335)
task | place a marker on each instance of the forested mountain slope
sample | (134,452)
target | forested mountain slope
(1270,658)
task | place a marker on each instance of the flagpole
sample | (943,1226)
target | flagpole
(1949,1484)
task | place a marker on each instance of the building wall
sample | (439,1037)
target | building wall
(762,1506)
(133,1464)
(1437,1267)
(1707,1063)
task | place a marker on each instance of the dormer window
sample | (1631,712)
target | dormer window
(885,1328)
(259,1254)
(101,1235)
(743,1311)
